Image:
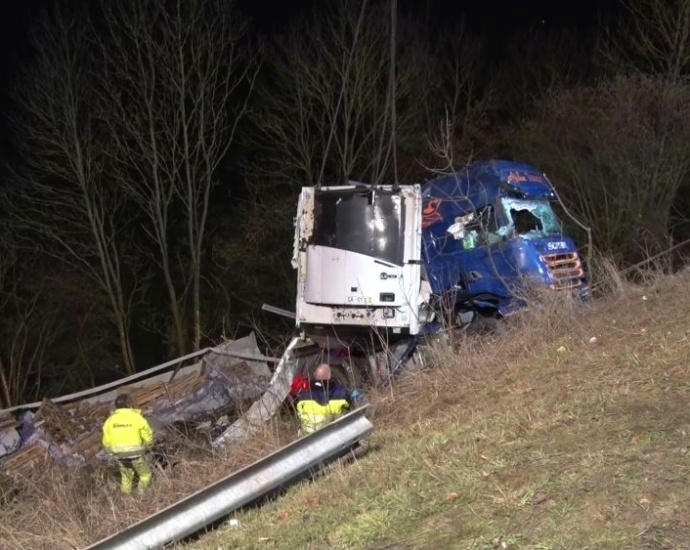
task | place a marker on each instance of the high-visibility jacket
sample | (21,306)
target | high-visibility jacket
(126,433)
(320,403)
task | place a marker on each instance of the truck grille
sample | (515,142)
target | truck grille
(566,270)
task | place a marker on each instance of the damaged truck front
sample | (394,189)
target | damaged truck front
(382,266)
(490,234)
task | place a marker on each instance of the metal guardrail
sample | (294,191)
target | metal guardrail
(278,469)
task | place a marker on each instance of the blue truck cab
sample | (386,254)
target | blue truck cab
(488,233)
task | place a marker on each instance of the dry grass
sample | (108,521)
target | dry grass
(68,508)
(568,431)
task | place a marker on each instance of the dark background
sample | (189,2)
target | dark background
(495,21)
(540,91)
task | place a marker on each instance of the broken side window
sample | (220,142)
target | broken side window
(481,229)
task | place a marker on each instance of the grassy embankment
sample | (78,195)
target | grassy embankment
(539,438)
(570,431)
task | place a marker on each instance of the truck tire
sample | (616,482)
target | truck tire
(484,325)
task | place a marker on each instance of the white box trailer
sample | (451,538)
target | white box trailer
(357,252)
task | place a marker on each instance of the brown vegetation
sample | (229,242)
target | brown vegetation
(567,430)
(61,507)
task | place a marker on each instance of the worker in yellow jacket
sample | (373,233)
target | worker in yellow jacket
(322,400)
(127,436)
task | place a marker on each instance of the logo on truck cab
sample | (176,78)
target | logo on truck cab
(430,214)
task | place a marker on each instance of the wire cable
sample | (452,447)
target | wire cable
(393,91)
(342,91)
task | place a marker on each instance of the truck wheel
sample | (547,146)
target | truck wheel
(485,324)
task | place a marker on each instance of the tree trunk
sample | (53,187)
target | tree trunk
(6,396)
(125,347)
(196,304)
(175,310)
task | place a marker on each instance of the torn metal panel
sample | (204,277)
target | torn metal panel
(9,441)
(69,432)
(240,380)
(9,434)
(301,353)
(99,390)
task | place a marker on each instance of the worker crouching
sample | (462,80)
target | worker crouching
(322,401)
(127,436)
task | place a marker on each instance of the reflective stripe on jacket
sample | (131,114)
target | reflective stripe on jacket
(127,433)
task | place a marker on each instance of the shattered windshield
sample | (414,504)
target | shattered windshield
(531,219)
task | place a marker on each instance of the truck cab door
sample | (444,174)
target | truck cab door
(487,266)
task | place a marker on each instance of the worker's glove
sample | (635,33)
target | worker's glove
(357,397)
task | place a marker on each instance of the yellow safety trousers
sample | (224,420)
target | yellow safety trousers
(131,467)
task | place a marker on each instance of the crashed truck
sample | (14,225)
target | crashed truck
(381,268)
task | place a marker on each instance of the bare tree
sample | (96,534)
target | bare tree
(27,329)
(179,77)
(212,76)
(135,108)
(28,334)
(7,263)
(64,206)
(619,153)
(457,105)
(324,113)
(654,37)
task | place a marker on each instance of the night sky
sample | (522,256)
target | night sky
(494,20)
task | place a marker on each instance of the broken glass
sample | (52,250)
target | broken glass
(530,219)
